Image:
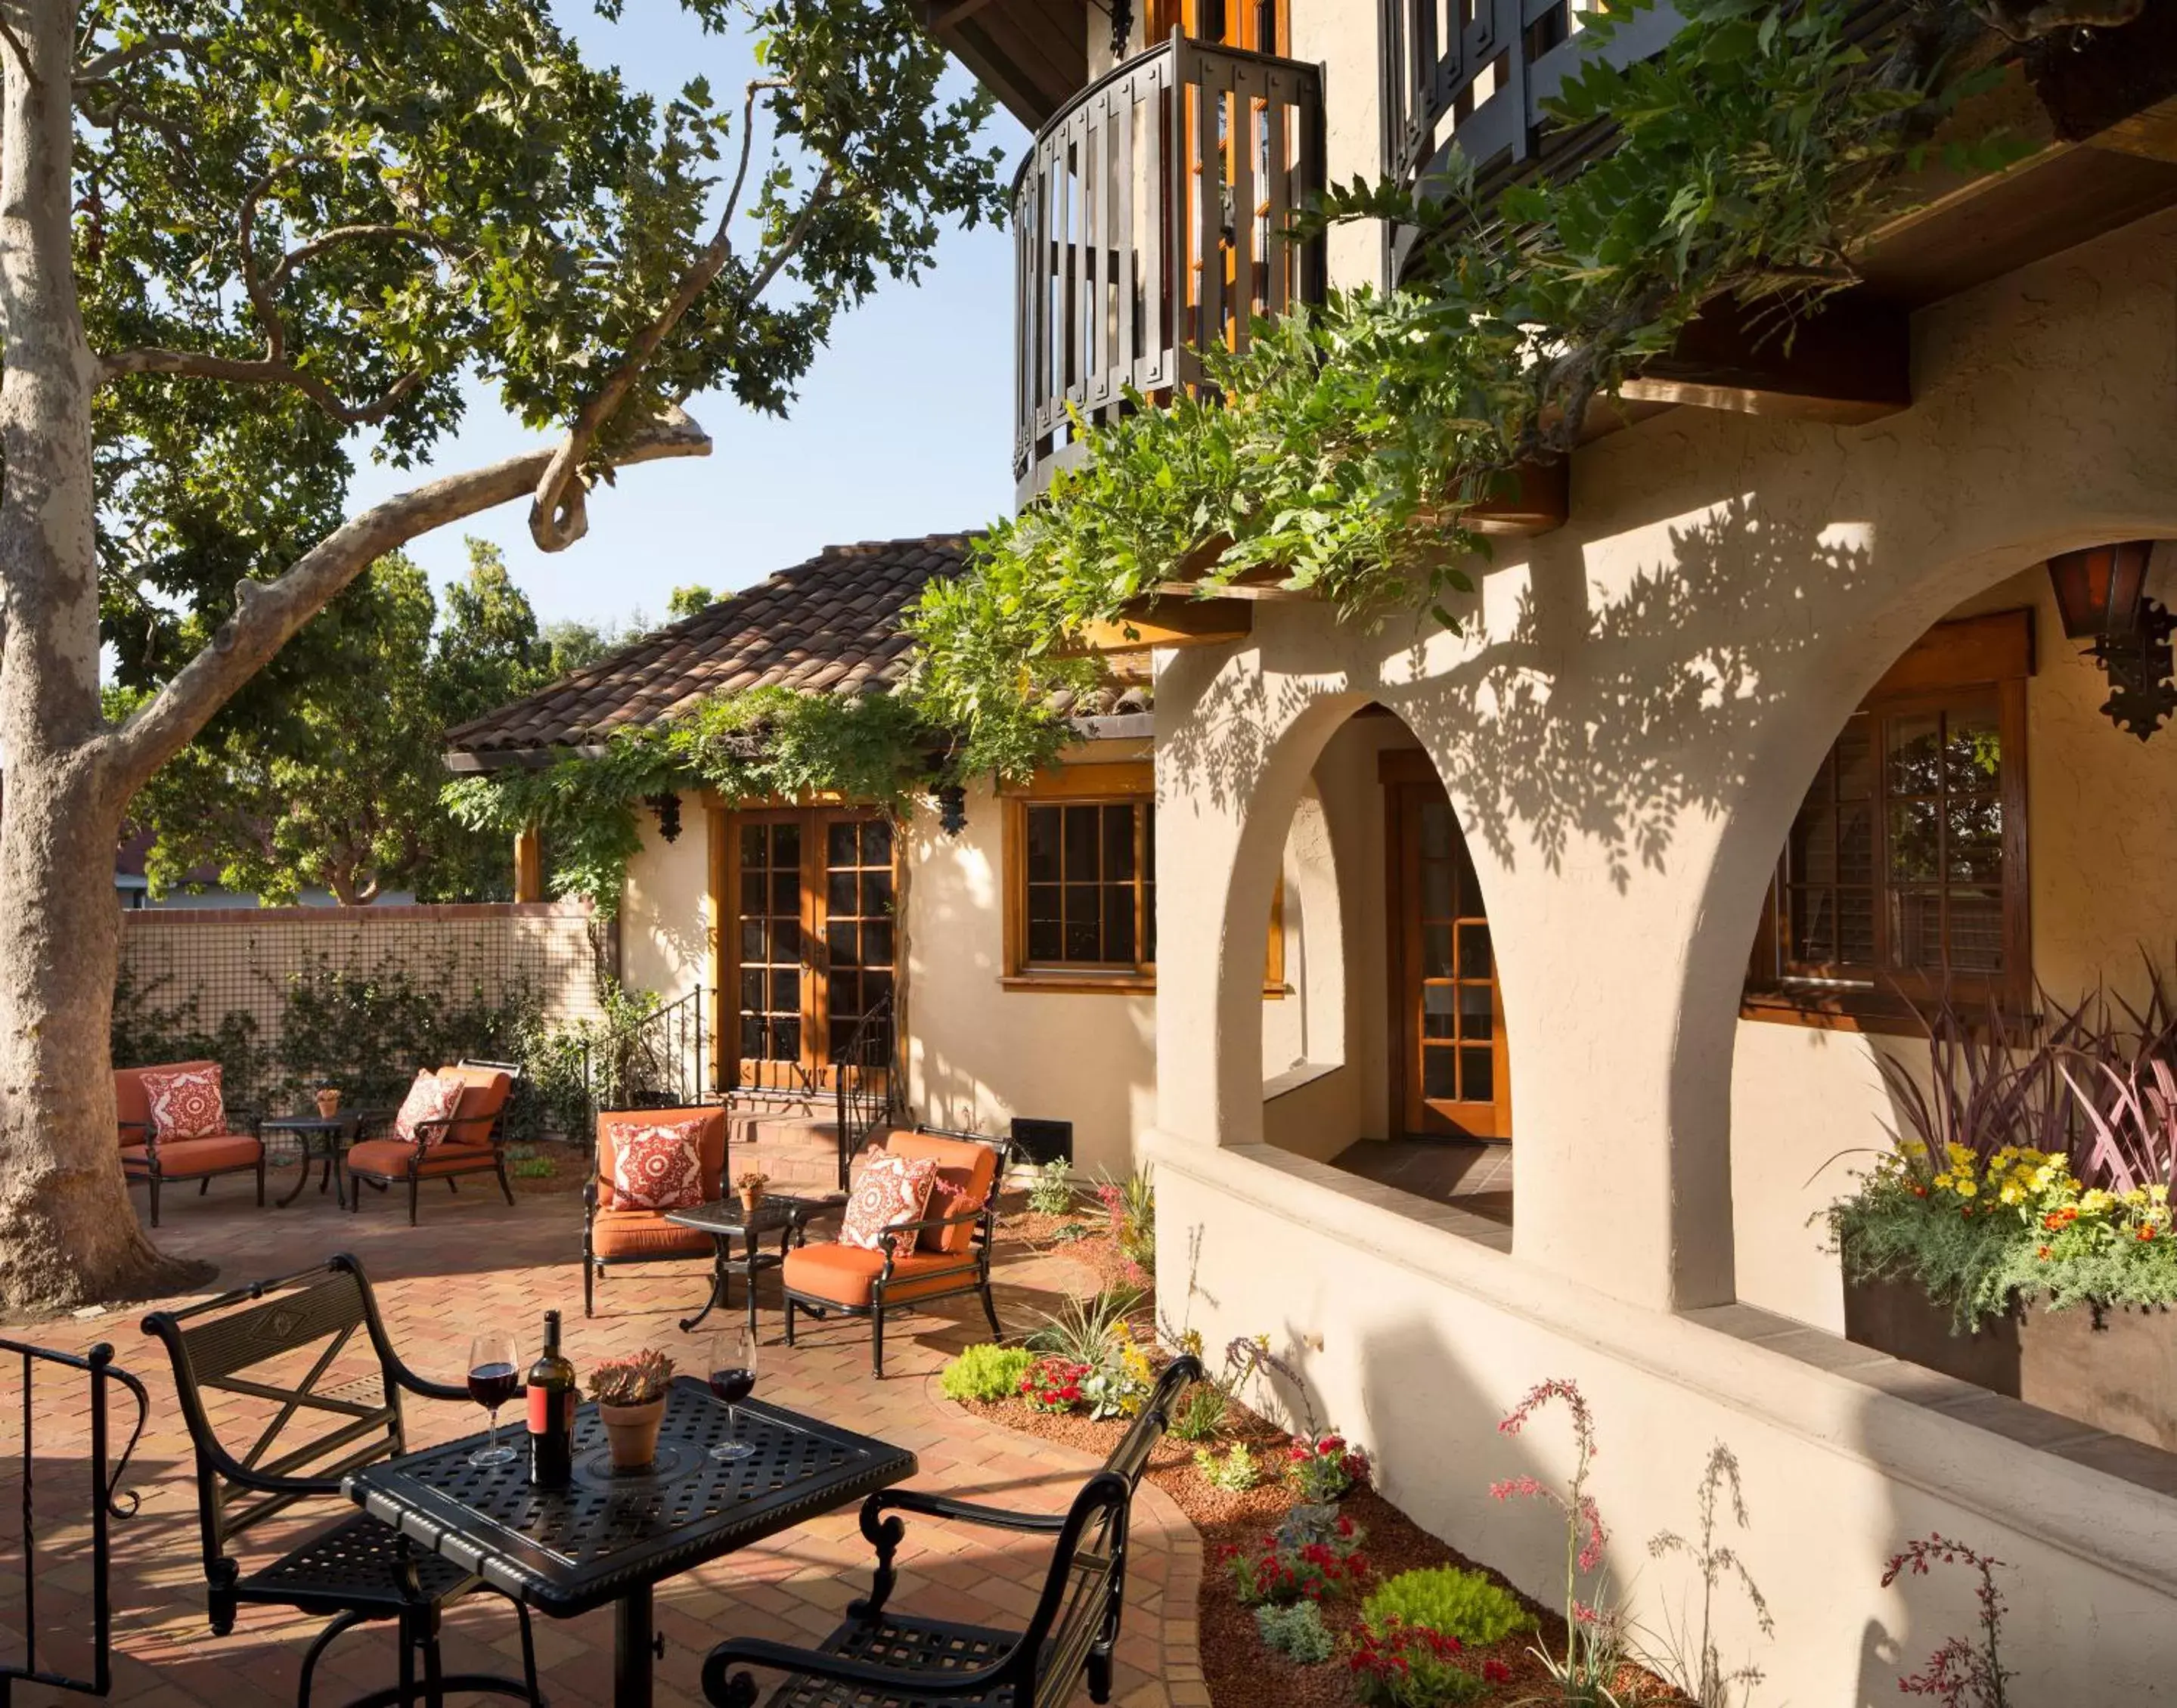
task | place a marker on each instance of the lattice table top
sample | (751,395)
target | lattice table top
(568,1550)
(726,1215)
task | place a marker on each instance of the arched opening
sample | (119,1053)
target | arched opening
(1978,836)
(1385,1053)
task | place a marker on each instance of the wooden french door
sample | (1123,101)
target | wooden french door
(1258,25)
(1450,1075)
(806,898)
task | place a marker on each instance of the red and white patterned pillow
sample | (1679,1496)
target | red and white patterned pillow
(427,1113)
(892,1189)
(658,1167)
(186,1104)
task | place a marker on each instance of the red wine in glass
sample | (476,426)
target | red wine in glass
(732,1379)
(494,1378)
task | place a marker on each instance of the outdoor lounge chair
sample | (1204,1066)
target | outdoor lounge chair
(613,1233)
(884,1660)
(951,1253)
(474,1143)
(146,1157)
(285,1374)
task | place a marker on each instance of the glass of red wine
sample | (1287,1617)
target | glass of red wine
(732,1379)
(494,1378)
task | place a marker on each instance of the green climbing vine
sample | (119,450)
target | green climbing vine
(770,743)
(1345,446)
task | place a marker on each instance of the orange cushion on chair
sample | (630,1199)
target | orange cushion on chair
(964,1167)
(182,1157)
(713,1117)
(388,1158)
(132,1109)
(646,1233)
(489,1089)
(847,1275)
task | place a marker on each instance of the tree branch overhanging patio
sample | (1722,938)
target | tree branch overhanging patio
(234,247)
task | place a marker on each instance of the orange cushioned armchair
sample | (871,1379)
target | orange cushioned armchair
(614,1233)
(145,1157)
(951,1253)
(474,1143)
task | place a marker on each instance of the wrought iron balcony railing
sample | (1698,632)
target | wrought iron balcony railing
(1152,217)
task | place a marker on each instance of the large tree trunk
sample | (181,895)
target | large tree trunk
(67,1232)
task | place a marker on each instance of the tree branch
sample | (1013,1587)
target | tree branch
(15,45)
(198,364)
(558,514)
(260,299)
(341,234)
(115,59)
(267,613)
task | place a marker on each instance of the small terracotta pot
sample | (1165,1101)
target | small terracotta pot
(750,1199)
(328,1103)
(632,1432)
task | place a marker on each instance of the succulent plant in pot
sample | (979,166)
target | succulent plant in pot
(749,1187)
(630,1396)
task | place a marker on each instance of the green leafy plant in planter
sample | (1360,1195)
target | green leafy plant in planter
(1324,1467)
(1411,1666)
(986,1372)
(1236,1471)
(1296,1632)
(1050,1187)
(1469,1606)
(1281,1568)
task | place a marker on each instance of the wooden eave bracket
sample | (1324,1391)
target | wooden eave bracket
(1848,363)
(1165,620)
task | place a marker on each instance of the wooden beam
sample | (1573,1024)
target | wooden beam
(1849,362)
(528,865)
(1167,622)
(1530,499)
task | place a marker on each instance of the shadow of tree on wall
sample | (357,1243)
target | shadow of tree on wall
(1600,714)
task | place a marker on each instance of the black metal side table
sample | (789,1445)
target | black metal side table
(726,1221)
(320,1135)
(612,1536)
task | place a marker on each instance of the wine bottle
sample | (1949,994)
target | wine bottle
(551,1412)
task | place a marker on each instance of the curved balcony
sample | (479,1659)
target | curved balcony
(1131,249)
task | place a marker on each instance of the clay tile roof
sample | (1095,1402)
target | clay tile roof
(829,625)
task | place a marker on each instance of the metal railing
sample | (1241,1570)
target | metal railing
(1153,218)
(862,1081)
(105,1505)
(659,1065)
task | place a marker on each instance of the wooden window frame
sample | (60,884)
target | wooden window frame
(1132,783)
(1988,659)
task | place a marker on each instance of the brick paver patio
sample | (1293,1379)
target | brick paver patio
(476,1262)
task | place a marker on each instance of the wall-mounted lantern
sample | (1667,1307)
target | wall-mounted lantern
(666,806)
(952,809)
(2100,595)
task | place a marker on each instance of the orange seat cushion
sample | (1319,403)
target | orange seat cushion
(489,1089)
(711,1144)
(133,1107)
(968,1168)
(388,1158)
(646,1233)
(182,1157)
(847,1275)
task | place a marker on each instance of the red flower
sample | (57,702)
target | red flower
(1496,1672)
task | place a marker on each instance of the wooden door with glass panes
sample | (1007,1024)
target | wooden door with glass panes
(809,896)
(1452,1079)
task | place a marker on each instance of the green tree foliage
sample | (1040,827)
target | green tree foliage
(686,602)
(1345,445)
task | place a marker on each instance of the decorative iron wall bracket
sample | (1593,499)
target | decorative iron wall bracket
(2138,664)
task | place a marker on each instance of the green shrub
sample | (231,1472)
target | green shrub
(1201,1415)
(1238,1469)
(985,1372)
(1296,1632)
(1050,1187)
(1408,1668)
(1451,1602)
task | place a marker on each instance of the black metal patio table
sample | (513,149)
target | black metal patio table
(335,1132)
(614,1537)
(725,1220)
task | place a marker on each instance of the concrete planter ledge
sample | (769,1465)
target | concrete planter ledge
(2110,1502)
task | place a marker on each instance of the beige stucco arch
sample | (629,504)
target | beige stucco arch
(1630,717)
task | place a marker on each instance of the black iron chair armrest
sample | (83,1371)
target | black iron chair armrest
(424,1385)
(968,1512)
(884,1681)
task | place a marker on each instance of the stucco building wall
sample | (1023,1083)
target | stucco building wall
(665,922)
(1626,727)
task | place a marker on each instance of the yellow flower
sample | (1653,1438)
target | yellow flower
(2095,1203)
(2012,1192)
(2160,1194)
(1966,1189)
(1943,1180)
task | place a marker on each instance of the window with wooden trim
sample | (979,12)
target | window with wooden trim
(1087,893)
(1904,873)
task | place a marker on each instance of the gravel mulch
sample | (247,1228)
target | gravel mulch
(1241,1672)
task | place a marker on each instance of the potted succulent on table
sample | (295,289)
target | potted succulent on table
(749,1187)
(329,1101)
(630,1396)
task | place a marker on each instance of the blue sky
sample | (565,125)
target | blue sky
(903,425)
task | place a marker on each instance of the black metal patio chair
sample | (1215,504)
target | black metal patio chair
(289,1346)
(879,1659)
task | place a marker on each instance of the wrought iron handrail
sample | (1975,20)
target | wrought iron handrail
(1130,254)
(107,1503)
(862,1080)
(658,1065)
